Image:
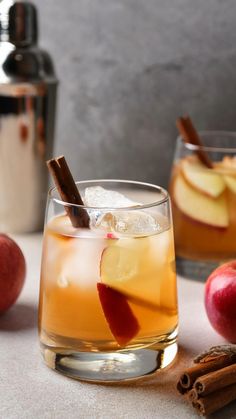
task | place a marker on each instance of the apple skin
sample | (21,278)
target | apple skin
(12,272)
(120,318)
(220,300)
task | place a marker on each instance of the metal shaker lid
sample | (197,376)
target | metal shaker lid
(18,23)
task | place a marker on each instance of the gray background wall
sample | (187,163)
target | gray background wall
(127,69)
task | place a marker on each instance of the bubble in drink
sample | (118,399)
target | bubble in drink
(62,281)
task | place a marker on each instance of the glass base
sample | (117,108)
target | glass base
(193,269)
(105,367)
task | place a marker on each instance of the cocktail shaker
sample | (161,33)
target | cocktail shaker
(28,88)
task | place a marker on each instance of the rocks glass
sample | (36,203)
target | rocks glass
(108,303)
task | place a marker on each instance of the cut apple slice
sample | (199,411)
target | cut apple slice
(230,183)
(127,266)
(120,318)
(199,207)
(119,263)
(201,178)
(227,166)
(228,162)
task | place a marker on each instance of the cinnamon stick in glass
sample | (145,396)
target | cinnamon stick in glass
(190,136)
(68,191)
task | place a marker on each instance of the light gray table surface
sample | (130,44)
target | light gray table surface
(28,389)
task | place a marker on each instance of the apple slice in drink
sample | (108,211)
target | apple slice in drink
(202,178)
(120,318)
(137,266)
(227,168)
(124,265)
(230,183)
(198,206)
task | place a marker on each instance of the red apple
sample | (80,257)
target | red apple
(220,300)
(12,272)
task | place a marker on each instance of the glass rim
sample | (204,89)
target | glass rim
(211,133)
(110,208)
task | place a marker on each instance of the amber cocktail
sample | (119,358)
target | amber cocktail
(108,304)
(204,204)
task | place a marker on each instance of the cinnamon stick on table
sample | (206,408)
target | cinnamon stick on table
(190,136)
(215,401)
(215,380)
(211,383)
(189,376)
(68,191)
(193,395)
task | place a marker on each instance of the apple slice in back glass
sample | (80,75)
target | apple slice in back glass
(120,318)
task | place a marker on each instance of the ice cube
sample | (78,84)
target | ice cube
(96,196)
(81,262)
(137,223)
